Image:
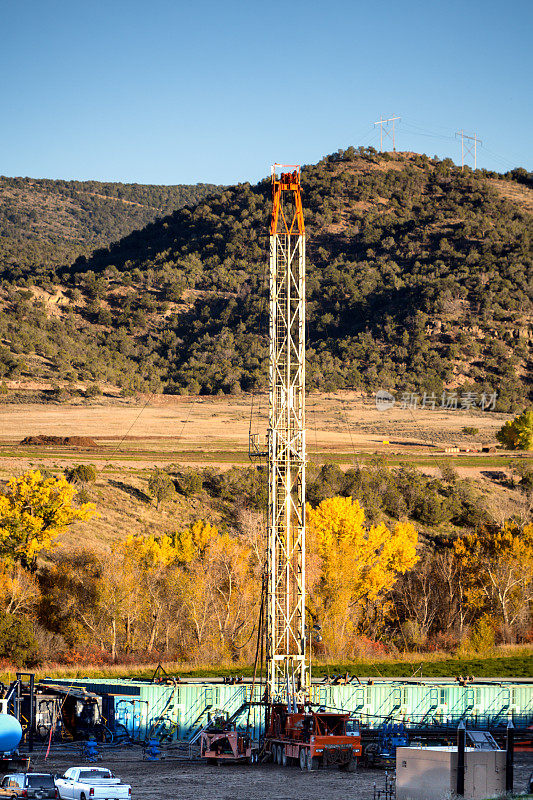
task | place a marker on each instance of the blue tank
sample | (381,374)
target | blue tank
(10,733)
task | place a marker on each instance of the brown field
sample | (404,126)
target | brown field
(341,422)
(174,778)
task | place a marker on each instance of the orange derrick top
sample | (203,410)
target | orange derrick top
(293,223)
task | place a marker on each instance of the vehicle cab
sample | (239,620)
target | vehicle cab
(38,785)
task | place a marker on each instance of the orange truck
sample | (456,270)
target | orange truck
(311,739)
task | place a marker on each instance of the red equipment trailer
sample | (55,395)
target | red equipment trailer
(311,739)
(223,742)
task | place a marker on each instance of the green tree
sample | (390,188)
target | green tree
(518,434)
(160,486)
(17,641)
(189,483)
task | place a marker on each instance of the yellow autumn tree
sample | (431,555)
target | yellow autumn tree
(35,510)
(168,589)
(151,550)
(234,592)
(199,584)
(351,565)
(19,589)
(497,572)
(142,599)
(219,588)
(193,541)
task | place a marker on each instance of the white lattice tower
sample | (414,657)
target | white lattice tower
(287,672)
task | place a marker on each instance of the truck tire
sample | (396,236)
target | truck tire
(279,754)
(371,754)
(312,762)
(82,796)
(303,758)
(285,760)
(351,766)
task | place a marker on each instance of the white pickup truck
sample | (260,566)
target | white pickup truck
(86,783)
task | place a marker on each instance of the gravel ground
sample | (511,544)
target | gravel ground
(175,778)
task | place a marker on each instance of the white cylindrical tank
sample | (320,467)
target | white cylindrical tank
(10,733)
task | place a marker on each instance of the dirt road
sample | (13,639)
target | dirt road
(183,780)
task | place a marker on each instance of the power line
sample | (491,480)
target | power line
(415,124)
(387,131)
(419,130)
(469,143)
(416,130)
(501,158)
(364,134)
(468,149)
(369,139)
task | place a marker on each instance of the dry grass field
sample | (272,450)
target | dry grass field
(341,422)
(132,437)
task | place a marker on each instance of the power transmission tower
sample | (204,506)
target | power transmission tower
(468,149)
(287,672)
(387,131)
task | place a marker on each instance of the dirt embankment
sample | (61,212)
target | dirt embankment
(72,441)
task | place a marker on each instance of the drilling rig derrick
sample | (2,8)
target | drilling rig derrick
(287,672)
(293,731)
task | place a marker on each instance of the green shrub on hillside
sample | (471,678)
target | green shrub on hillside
(82,473)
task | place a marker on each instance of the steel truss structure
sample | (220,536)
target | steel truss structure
(287,673)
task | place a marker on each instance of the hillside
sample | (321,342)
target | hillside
(419,279)
(45,223)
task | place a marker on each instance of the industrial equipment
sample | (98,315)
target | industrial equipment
(221,741)
(383,752)
(287,672)
(152,750)
(293,730)
(90,751)
(431,773)
(311,738)
(10,733)
(10,738)
(388,792)
(180,713)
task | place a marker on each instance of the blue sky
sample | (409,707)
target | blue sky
(179,92)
